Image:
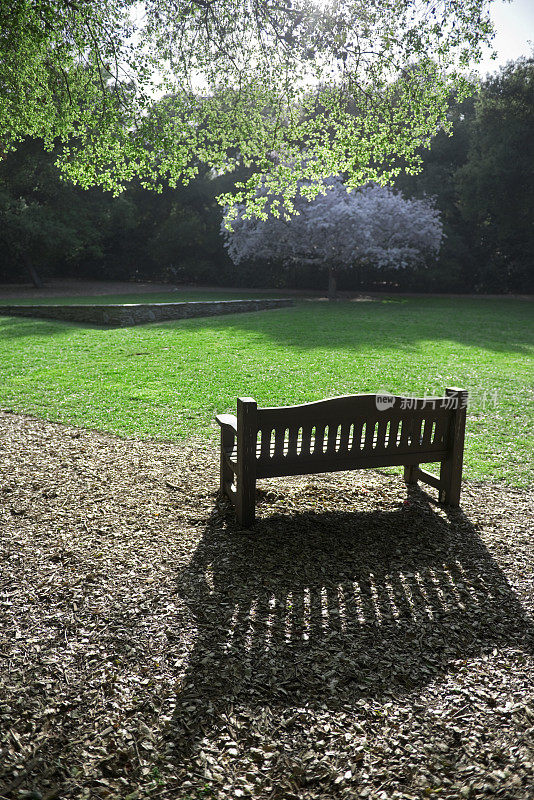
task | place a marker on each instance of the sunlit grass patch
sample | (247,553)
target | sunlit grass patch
(167,380)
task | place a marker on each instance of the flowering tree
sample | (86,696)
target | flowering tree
(337,230)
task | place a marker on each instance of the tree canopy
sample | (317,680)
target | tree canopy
(481,178)
(152,89)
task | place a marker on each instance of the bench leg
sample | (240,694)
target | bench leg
(410,473)
(247,433)
(245,504)
(450,475)
(226,472)
(450,478)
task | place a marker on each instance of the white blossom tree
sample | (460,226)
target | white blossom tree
(337,230)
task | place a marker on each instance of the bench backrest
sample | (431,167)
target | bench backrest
(349,432)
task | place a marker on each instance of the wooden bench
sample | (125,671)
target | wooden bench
(342,433)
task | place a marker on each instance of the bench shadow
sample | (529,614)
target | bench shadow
(321,610)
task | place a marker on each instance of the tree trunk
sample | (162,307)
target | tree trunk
(34,275)
(332,284)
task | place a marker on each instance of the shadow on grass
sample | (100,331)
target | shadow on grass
(321,610)
(498,326)
(24,327)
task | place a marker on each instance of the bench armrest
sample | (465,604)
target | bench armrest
(227,420)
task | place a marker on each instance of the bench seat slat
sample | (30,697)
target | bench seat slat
(230,456)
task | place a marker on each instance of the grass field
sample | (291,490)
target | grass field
(167,380)
(145,297)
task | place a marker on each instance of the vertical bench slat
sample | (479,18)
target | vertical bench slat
(344,438)
(393,432)
(265,443)
(369,435)
(355,445)
(317,444)
(440,431)
(406,429)
(279,434)
(427,430)
(332,439)
(380,444)
(306,440)
(416,433)
(293,439)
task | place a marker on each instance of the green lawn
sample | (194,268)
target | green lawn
(145,297)
(167,380)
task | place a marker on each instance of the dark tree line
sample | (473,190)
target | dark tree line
(51,229)
(482,177)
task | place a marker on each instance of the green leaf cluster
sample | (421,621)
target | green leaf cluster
(150,90)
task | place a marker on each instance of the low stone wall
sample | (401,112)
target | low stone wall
(141,313)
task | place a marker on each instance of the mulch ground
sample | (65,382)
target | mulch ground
(359,643)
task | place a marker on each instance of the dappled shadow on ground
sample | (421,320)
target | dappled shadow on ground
(321,610)
(356,648)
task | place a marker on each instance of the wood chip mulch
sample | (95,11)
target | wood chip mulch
(359,643)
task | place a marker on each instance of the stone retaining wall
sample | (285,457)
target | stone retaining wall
(140,313)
